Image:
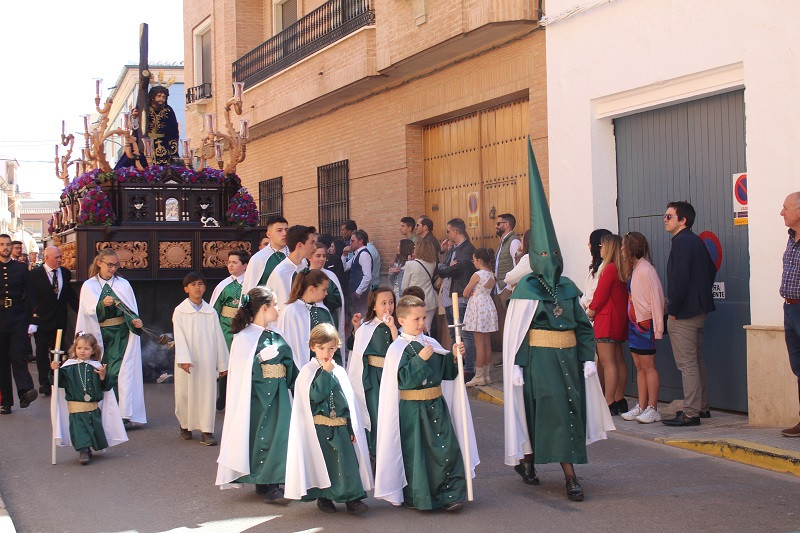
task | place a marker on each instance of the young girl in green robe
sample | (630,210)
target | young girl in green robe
(84,381)
(261,373)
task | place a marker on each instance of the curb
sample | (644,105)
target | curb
(5,520)
(745,452)
(740,451)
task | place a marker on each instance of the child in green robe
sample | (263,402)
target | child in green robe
(328,458)
(84,381)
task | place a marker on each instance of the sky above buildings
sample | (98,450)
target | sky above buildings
(52,54)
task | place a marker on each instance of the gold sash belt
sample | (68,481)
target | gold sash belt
(116,321)
(228,311)
(421,394)
(322,420)
(273,371)
(545,338)
(376,360)
(81,407)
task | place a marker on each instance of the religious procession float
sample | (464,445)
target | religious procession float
(166,209)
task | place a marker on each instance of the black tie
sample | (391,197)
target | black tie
(55,282)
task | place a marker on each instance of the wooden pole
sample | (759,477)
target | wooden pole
(463,397)
(54,397)
(142,99)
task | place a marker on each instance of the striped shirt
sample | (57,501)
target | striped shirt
(790,279)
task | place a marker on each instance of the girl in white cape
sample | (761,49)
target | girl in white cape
(305,310)
(103,297)
(370,341)
(83,386)
(328,457)
(261,372)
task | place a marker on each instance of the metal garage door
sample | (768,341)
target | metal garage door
(690,152)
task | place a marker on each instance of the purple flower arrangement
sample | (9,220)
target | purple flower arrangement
(242,209)
(95,209)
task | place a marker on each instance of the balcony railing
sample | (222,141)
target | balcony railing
(200,92)
(323,26)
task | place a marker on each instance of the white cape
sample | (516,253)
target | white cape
(355,368)
(198,341)
(390,475)
(598,419)
(294,324)
(305,464)
(256,265)
(234,452)
(129,380)
(221,287)
(109,414)
(280,281)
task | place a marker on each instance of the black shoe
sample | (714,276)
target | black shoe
(408,505)
(263,489)
(185,433)
(453,507)
(275,496)
(127,424)
(681,420)
(221,403)
(528,473)
(325,505)
(43,389)
(622,405)
(703,414)
(5,410)
(27,397)
(574,490)
(84,457)
(356,507)
(613,409)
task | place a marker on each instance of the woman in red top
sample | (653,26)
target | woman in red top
(609,309)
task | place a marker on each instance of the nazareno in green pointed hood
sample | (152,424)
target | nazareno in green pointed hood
(544,253)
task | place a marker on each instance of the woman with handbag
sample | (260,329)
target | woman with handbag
(419,272)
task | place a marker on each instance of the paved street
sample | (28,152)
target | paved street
(156,482)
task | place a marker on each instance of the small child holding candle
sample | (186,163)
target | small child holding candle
(83,385)
(420,409)
(328,457)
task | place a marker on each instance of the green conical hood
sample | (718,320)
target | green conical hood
(544,253)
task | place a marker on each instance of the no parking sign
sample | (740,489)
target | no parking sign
(740,199)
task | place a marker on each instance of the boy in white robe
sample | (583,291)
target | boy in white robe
(201,356)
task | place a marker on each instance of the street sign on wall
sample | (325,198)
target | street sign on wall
(740,199)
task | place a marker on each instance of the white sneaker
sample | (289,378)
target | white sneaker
(633,413)
(649,416)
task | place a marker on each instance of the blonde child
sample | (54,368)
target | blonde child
(86,383)
(481,314)
(370,342)
(328,458)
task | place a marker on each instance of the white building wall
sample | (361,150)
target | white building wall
(626,56)
(633,55)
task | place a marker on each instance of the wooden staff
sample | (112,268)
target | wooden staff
(57,352)
(457,325)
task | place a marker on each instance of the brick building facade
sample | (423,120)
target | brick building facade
(421,103)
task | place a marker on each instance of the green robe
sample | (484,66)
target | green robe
(273,261)
(555,407)
(115,338)
(270,412)
(378,345)
(337,448)
(431,455)
(333,301)
(85,429)
(229,297)
(320,315)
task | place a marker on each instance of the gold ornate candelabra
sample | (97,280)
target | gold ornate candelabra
(212,146)
(63,163)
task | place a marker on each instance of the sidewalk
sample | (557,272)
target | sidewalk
(725,434)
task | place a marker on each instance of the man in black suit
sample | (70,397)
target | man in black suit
(690,277)
(54,292)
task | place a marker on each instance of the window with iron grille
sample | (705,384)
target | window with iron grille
(270,199)
(333,186)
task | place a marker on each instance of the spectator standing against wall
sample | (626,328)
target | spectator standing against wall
(790,291)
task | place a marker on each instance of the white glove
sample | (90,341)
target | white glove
(589,369)
(517,379)
(32,329)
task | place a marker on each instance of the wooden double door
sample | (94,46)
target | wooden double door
(476,168)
